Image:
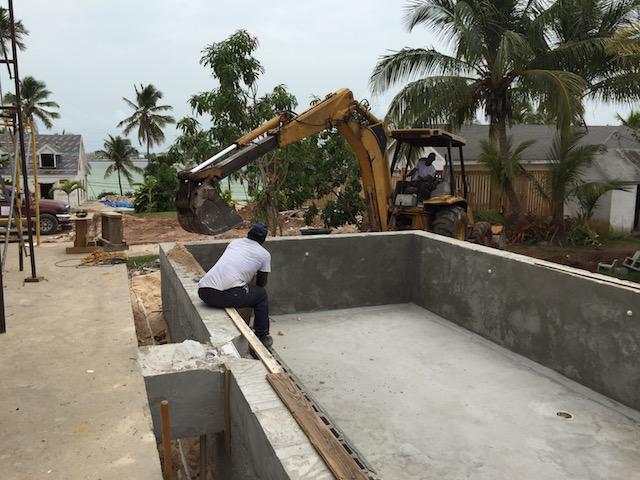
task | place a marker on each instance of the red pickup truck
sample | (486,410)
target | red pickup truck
(53,213)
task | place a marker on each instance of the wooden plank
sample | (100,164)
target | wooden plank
(257,346)
(341,464)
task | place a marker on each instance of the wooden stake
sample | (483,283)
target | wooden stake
(166,439)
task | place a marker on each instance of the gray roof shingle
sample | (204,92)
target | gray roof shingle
(613,137)
(67,146)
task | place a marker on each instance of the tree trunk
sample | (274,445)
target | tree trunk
(120,183)
(270,198)
(557,215)
(516,208)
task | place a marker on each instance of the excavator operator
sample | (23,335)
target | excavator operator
(422,177)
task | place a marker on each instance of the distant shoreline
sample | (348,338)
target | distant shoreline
(101,160)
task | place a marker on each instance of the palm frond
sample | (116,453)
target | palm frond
(433,101)
(588,194)
(410,64)
(513,53)
(559,92)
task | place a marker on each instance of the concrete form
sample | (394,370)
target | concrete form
(472,409)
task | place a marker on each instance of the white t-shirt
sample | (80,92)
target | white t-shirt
(423,170)
(238,264)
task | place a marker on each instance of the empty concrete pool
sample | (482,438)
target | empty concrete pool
(431,358)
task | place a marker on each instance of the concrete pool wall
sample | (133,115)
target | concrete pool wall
(585,326)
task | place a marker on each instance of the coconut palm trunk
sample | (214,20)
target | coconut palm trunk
(514,203)
(120,183)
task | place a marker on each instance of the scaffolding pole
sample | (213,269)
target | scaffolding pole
(17,110)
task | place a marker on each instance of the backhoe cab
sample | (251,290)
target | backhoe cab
(446,211)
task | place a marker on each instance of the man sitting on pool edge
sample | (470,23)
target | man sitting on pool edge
(228,282)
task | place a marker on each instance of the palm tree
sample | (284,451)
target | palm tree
(502,175)
(598,40)
(69,187)
(632,122)
(567,159)
(497,62)
(33,95)
(119,150)
(146,117)
(5,33)
(588,195)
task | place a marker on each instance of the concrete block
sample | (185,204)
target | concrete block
(193,386)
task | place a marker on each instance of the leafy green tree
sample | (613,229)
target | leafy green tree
(5,33)
(194,145)
(499,59)
(235,110)
(34,95)
(289,177)
(237,71)
(157,193)
(69,187)
(147,118)
(268,174)
(119,150)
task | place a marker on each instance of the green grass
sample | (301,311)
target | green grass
(631,276)
(616,236)
(153,214)
(141,260)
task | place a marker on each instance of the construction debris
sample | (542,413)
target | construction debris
(104,258)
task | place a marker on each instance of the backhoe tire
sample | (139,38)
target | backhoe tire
(451,222)
(48,224)
(481,234)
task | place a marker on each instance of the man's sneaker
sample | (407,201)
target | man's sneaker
(267,341)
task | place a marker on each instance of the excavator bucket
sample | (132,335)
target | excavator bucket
(201,210)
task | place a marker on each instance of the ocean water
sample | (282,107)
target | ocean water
(98,184)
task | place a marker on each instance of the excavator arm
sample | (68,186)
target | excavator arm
(200,208)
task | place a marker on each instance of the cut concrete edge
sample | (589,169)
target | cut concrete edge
(190,377)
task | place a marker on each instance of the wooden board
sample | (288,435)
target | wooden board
(341,464)
(256,345)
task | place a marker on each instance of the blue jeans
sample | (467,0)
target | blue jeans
(239,297)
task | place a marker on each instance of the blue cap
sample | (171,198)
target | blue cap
(258,232)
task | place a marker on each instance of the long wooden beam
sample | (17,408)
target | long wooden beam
(341,464)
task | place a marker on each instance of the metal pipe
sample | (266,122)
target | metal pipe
(166,439)
(218,155)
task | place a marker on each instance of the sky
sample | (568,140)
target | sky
(91,54)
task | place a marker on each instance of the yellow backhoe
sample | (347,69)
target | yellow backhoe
(446,211)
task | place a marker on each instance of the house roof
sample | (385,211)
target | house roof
(68,148)
(620,164)
(613,137)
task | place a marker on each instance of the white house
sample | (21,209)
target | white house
(621,209)
(621,161)
(59,158)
